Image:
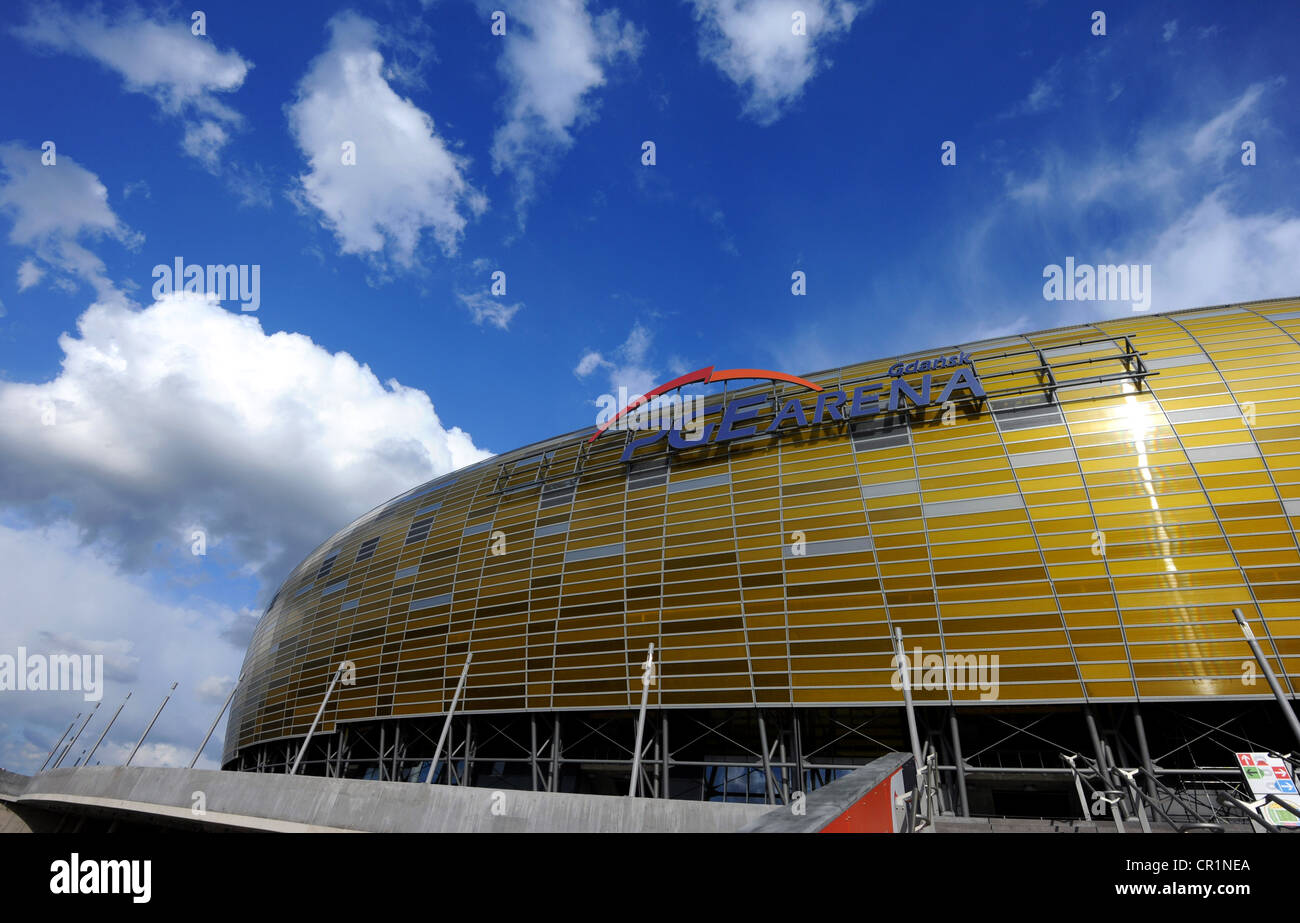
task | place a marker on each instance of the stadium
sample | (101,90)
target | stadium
(1069,516)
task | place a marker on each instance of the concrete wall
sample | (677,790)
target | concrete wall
(252,801)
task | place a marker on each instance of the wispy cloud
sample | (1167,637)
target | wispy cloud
(55,210)
(556,54)
(486,309)
(185,74)
(767,51)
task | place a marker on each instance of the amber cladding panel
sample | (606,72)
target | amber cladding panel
(1092,523)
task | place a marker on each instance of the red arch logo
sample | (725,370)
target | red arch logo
(707,376)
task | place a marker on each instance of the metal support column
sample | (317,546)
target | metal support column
(532,749)
(1268,673)
(768,784)
(663,731)
(216,721)
(106,730)
(149,728)
(75,737)
(446,724)
(798,754)
(59,741)
(315,721)
(904,672)
(555,755)
(1096,745)
(1148,768)
(960,762)
(469,754)
(785,767)
(647,677)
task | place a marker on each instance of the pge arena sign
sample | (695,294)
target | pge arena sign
(836,405)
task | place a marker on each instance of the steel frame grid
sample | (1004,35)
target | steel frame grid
(1127,355)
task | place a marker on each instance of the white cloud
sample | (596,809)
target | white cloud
(204,141)
(62,596)
(184,415)
(139,187)
(1043,95)
(754,44)
(1191,216)
(406,178)
(1170,30)
(485,309)
(1164,161)
(630,365)
(29,273)
(183,73)
(589,362)
(214,688)
(52,207)
(1217,137)
(555,54)
(1214,255)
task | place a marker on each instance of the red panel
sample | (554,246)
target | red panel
(872,813)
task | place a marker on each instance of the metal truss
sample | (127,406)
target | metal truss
(987,761)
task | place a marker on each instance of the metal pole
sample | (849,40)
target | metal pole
(75,737)
(151,723)
(1078,785)
(216,721)
(469,744)
(59,741)
(315,721)
(904,668)
(960,763)
(768,785)
(106,729)
(798,752)
(446,725)
(663,721)
(532,750)
(1096,746)
(785,768)
(647,677)
(1268,673)
(1144,752)
(555,756)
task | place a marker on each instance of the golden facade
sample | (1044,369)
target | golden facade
(1092,524)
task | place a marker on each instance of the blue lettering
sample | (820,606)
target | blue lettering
(738,411)
(962,378)
(899,386)
(824,405)
(793,410)
(678,441)
(860,406)
(632,446)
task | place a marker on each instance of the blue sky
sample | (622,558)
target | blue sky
(378,358)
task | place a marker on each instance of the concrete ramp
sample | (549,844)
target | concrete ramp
(205,799)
